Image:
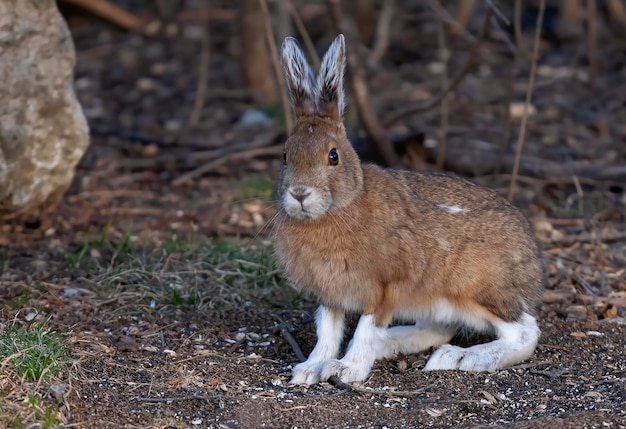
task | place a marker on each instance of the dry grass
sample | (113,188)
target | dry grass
(105,280)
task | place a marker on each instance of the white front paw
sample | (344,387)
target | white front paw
(347,371)
(452,357)
(306,373)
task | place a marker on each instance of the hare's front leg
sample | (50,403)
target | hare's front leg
(366,343)
(329,324)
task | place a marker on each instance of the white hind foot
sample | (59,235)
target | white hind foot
(413,339)
(516,341)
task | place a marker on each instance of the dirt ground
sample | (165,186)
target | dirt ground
(144,356)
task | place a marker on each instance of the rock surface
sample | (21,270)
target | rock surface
(43,132)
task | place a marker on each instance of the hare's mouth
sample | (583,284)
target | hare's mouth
(303,203)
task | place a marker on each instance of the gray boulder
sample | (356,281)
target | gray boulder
(43,132)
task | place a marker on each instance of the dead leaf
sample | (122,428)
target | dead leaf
(609,311)
(402,365)
(578,334)
(489,397)
(433,412)
(517,109)
(127,344)
(213,382)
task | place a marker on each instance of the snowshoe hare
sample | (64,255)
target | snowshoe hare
(430,249)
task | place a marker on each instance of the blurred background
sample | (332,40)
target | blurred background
(187,117)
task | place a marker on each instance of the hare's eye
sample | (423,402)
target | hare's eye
(333,157)
(284,158)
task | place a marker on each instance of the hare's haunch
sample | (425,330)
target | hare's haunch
(431,249)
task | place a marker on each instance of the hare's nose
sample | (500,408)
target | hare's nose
(300,195)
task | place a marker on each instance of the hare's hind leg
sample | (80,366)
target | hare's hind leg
(516,341)
(409,339)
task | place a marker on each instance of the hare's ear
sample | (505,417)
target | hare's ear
(330,95)
(299,77)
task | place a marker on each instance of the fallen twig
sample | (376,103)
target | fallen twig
(235,156)
(110,12)
(529,365)
(178,398)
(434,102)
(589,237)
(236,345)
(529,92)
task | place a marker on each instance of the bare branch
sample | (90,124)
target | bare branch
(497,12)
(234,156)
(203,78)
(506,133)
(381,40)
(306,38)
(434,102)
(592,41)
(277,69)
(445,16)
(356,77)
(111,12)
(529,92)
(444,55)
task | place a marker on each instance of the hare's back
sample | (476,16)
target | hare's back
(449,194)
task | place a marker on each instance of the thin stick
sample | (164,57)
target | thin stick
(434,102)
(277,69)
(235,156)
(618,11)
(529,92)
(308,43)
(464,12)
(592,41)
(111,13)
(445,16)
(529,365)
(498,12)
(284,330)
(203,78)
(381,40)
(506,133)
(178,398)
(581,195)
(443,131)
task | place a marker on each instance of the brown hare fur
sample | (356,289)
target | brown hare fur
(432,249)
